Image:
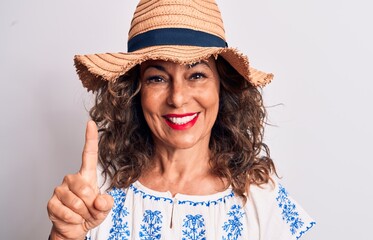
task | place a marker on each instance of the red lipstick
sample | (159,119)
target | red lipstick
(181,121)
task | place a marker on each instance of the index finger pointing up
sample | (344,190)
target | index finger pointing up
(90,152)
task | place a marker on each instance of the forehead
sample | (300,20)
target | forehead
(209,62)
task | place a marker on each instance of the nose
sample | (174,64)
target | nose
(178,93)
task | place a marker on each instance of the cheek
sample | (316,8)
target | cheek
(212,94)
(151,103)
(210,101)
(146,104)
(213,107)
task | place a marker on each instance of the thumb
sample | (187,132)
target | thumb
(88,168)
(102,206)
(104,202)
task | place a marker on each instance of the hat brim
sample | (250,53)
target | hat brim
(93,69)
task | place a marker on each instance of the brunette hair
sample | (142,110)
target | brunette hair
(238,152)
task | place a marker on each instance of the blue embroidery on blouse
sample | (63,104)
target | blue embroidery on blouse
(152,226)
(119,230)
(145,195)
(191,203)
(194,227)
(307,228)
(208,203)
(87,238)
(233,227)
(289,211)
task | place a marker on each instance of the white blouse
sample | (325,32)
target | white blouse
(141,213)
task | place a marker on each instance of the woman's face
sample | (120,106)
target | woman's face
(180,102)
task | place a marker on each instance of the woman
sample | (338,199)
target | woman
(181,120)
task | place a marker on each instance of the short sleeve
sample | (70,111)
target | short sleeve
(278,215)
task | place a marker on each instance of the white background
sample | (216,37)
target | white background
(320,101)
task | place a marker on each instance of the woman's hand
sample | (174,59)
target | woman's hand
(77,204)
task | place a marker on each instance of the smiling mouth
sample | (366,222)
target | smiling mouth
(181,121)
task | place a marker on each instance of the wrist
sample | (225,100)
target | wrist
(54,235)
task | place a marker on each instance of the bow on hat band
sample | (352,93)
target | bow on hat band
(174,36)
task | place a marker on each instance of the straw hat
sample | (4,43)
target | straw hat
(181,31)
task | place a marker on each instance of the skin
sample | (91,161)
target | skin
(181,159)
(77,205)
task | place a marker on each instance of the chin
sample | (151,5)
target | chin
(185,142)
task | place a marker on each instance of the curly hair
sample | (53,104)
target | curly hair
(238,153)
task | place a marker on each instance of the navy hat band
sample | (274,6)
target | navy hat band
(174,36)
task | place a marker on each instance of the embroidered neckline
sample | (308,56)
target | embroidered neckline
(193,200)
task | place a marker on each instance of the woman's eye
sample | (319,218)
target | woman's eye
(196,76)
(154,79)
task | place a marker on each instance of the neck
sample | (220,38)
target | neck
(182,171)
(176,165)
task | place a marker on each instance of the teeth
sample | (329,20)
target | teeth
(182,120)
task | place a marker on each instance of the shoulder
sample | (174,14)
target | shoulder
(278,214)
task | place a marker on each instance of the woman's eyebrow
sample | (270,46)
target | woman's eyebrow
(204,62)
(158,67)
